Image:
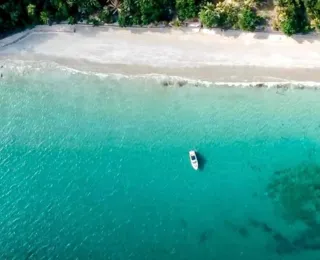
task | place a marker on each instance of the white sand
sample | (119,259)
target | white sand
(179,52)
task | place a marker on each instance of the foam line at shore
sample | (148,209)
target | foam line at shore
(22,67)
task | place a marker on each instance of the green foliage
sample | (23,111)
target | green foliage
(129,14)
(143,12)
(208,16)
(96,22)
(85,5)
(31,9)
(176,23)
(105,15)
(150,11)
(61,10)
(167,10)
(292,17)
(186,9)
(44,17)
(228,13)
(248,19)
(289,24)
(71,20)
(12,15)
(313,11)
(223,15)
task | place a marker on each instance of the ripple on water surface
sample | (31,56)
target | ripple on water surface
(97,168)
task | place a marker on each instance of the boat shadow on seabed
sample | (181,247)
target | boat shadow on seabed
(201,161)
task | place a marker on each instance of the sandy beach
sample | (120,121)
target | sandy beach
(210,55)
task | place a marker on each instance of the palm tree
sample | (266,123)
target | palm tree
(115,6)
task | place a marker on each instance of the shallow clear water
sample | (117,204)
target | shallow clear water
(98,168)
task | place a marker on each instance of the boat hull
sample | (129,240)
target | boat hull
(193,160)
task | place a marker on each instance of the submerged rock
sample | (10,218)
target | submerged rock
(181,83)
(166,83)
(260,85)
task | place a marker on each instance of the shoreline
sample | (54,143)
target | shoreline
(168,79)
(187,53)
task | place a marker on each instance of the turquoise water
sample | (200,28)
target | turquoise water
(98,168)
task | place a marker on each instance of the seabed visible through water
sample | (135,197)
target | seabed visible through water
(98,168)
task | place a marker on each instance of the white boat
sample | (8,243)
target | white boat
(193,160)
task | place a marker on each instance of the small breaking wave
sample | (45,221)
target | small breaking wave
(23,68)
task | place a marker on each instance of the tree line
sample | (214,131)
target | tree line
(291,16)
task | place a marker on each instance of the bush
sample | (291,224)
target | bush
(13,15)
(248,19)
(150,11)
(105,15)
(31,10)
(87,6)
(291,17)
(167,10)
(129,14)
(313,12)
(315,23)
(208,16)
(186,9)
(288,23)
(223,15)
(62,11)
(71,20)
(144,12)
(228,13)
(44,17)
(176,23)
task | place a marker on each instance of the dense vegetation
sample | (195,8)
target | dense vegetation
(288,16)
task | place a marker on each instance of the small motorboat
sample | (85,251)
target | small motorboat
(194,160)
